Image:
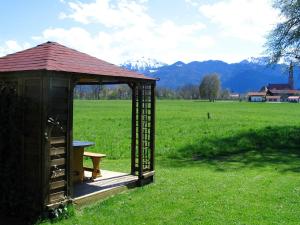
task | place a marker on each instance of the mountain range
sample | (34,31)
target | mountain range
(247,75)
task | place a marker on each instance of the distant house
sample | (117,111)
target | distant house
(283,92)
(256,96)
(273,98)
(295,99)
(234,96)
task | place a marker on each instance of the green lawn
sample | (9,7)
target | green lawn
(242,166)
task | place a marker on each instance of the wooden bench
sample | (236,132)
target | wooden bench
(96,158)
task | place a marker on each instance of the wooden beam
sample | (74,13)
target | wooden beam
(69,147)
(57,140)
(58,173)
(57,151)
(131,85)
(56,197)
(133,131)
(58,162)
(57,184)
(152,129)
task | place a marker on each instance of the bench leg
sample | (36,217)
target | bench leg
(96,167)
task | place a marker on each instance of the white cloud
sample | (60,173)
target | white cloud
(166,42)
(121,14)
(119,30)
(192,2)
(244,19)
(129,33)
(12,46)
(99,45)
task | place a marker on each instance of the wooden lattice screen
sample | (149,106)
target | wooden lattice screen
(58,140)
(143,122)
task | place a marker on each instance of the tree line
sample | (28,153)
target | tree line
(208,89)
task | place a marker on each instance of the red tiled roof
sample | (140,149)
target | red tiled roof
(273,91)
(55,57)
(279,86)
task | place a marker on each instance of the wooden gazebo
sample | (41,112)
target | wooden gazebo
(36,119)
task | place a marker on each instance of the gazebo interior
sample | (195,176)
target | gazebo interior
(110,182)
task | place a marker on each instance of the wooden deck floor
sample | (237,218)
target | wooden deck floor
(109,184)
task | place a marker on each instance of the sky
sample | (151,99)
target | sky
(121,30)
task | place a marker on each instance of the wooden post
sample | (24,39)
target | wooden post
(45,143)
(140,129)
(152,131)
(69,146)
(133,130)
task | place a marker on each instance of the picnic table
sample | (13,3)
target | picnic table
(78,154)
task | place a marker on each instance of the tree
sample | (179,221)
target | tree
(210,87)
(165,93)
(283,42)
(224,94)
(188,91)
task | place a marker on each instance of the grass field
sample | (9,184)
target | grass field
(242,166)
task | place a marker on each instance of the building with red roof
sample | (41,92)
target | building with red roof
(276,92)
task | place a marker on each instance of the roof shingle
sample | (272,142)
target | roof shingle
(55,57)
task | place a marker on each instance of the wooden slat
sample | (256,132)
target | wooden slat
(57,184)
(57,151)
(93,155)
(56,197)
(57,140)
(58,162)
(140,131)
(58,173)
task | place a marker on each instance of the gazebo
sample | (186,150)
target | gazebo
(36,122)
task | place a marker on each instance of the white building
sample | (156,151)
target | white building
(256,96)
(273,98)
(295,99)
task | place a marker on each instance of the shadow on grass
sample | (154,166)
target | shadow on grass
(278,145)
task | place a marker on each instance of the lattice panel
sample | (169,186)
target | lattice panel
(143,123)
(146,126)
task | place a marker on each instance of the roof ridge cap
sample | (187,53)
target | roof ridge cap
(49,50)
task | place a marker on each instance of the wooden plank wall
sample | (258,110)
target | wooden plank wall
(33,136)
(59,136)
(11,146)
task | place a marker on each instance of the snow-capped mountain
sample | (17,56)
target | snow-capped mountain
(263,61)
(248,75)
(143,65)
